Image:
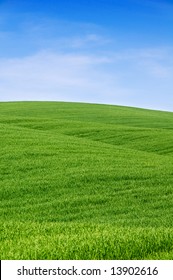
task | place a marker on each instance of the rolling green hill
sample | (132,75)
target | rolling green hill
(85,181)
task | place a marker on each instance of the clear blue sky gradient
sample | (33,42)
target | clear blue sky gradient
(98,51)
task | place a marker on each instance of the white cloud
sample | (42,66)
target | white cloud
(141,78)
(57,76)
(155,62)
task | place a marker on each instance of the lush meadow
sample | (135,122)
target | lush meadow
(85,181)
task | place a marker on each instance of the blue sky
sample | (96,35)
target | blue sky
(97,51)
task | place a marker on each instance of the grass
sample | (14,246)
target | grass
(85,181)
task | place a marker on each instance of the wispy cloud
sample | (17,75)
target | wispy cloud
(156,62)
(57,76)
(89,40)
(34,34)
(133,77)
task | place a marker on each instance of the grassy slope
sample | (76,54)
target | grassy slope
(82,181)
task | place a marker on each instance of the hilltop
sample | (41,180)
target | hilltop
(85,181)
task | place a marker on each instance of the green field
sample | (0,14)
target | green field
(85,181)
